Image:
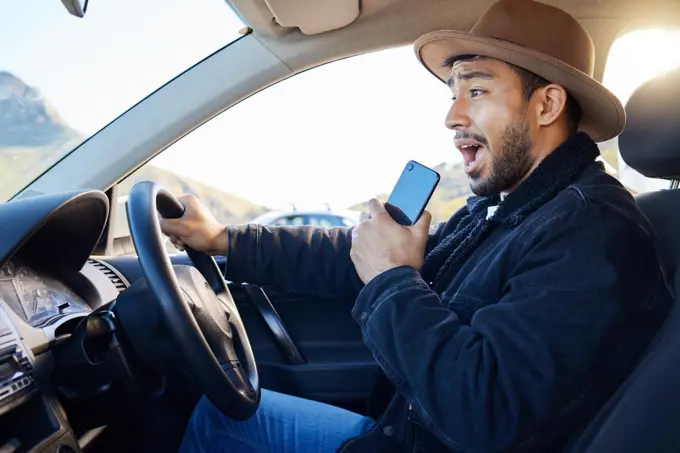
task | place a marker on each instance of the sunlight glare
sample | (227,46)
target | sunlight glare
(633,59)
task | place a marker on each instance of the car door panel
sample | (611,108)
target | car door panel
(337,368)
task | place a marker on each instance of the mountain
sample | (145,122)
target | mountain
(33,137)
(27,119)
(450,195)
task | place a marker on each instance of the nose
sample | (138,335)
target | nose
(457,117)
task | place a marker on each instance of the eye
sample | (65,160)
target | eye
(453,99)
(476,92)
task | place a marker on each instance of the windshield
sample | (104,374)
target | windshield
(63,78)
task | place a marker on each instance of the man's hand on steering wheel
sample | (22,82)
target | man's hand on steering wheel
(197,228)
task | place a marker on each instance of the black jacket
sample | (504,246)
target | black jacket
(536,323)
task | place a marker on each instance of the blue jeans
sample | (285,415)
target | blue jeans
(282,423)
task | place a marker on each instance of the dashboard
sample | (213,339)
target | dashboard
(48,284)
(35,297)
(66,367)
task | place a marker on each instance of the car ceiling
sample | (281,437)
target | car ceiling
(365,25)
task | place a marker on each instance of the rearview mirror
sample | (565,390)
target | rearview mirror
(76,7)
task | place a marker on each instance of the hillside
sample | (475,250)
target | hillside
(227,208)
(27,119)
(32,136)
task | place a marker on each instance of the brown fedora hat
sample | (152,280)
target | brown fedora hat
(539,38)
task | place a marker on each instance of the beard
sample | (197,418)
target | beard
(509,164)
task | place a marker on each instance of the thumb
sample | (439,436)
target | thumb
(422,226)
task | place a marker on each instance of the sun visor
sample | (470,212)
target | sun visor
(314,16)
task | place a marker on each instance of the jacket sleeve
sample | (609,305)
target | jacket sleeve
(302,260)
(581,294)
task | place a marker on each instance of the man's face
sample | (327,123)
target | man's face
(490,117)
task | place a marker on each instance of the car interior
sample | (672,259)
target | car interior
(102,353)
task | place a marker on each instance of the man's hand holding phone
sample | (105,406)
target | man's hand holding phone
(396,233)
(380,243)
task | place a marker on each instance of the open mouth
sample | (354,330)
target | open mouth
(472,154)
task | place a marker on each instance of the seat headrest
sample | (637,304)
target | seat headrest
(650,143)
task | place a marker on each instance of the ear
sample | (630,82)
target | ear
(551,101)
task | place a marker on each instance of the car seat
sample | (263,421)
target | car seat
(644,414)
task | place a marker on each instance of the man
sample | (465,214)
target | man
(507,328)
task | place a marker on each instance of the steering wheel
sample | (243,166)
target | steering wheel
(195,307)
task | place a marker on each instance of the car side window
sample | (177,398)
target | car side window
(324,142)
(325,221)
(290,220)
(344,221)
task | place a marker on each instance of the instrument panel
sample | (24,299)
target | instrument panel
(37,298)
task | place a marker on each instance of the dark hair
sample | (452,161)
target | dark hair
(530,83)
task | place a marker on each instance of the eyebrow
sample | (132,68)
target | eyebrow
(470,75)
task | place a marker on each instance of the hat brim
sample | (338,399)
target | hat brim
(603,116)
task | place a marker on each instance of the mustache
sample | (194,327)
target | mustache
(467,134)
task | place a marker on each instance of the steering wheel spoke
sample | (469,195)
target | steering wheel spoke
(238,377)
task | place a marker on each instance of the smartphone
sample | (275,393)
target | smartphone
(412,193)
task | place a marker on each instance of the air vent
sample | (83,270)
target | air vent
(118,280)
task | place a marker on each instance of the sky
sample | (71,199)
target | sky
(336,134)
(93,69)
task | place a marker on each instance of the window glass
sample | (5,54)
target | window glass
(347,222)
(290,220)
(63,78)
(325,221)
(324,140)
